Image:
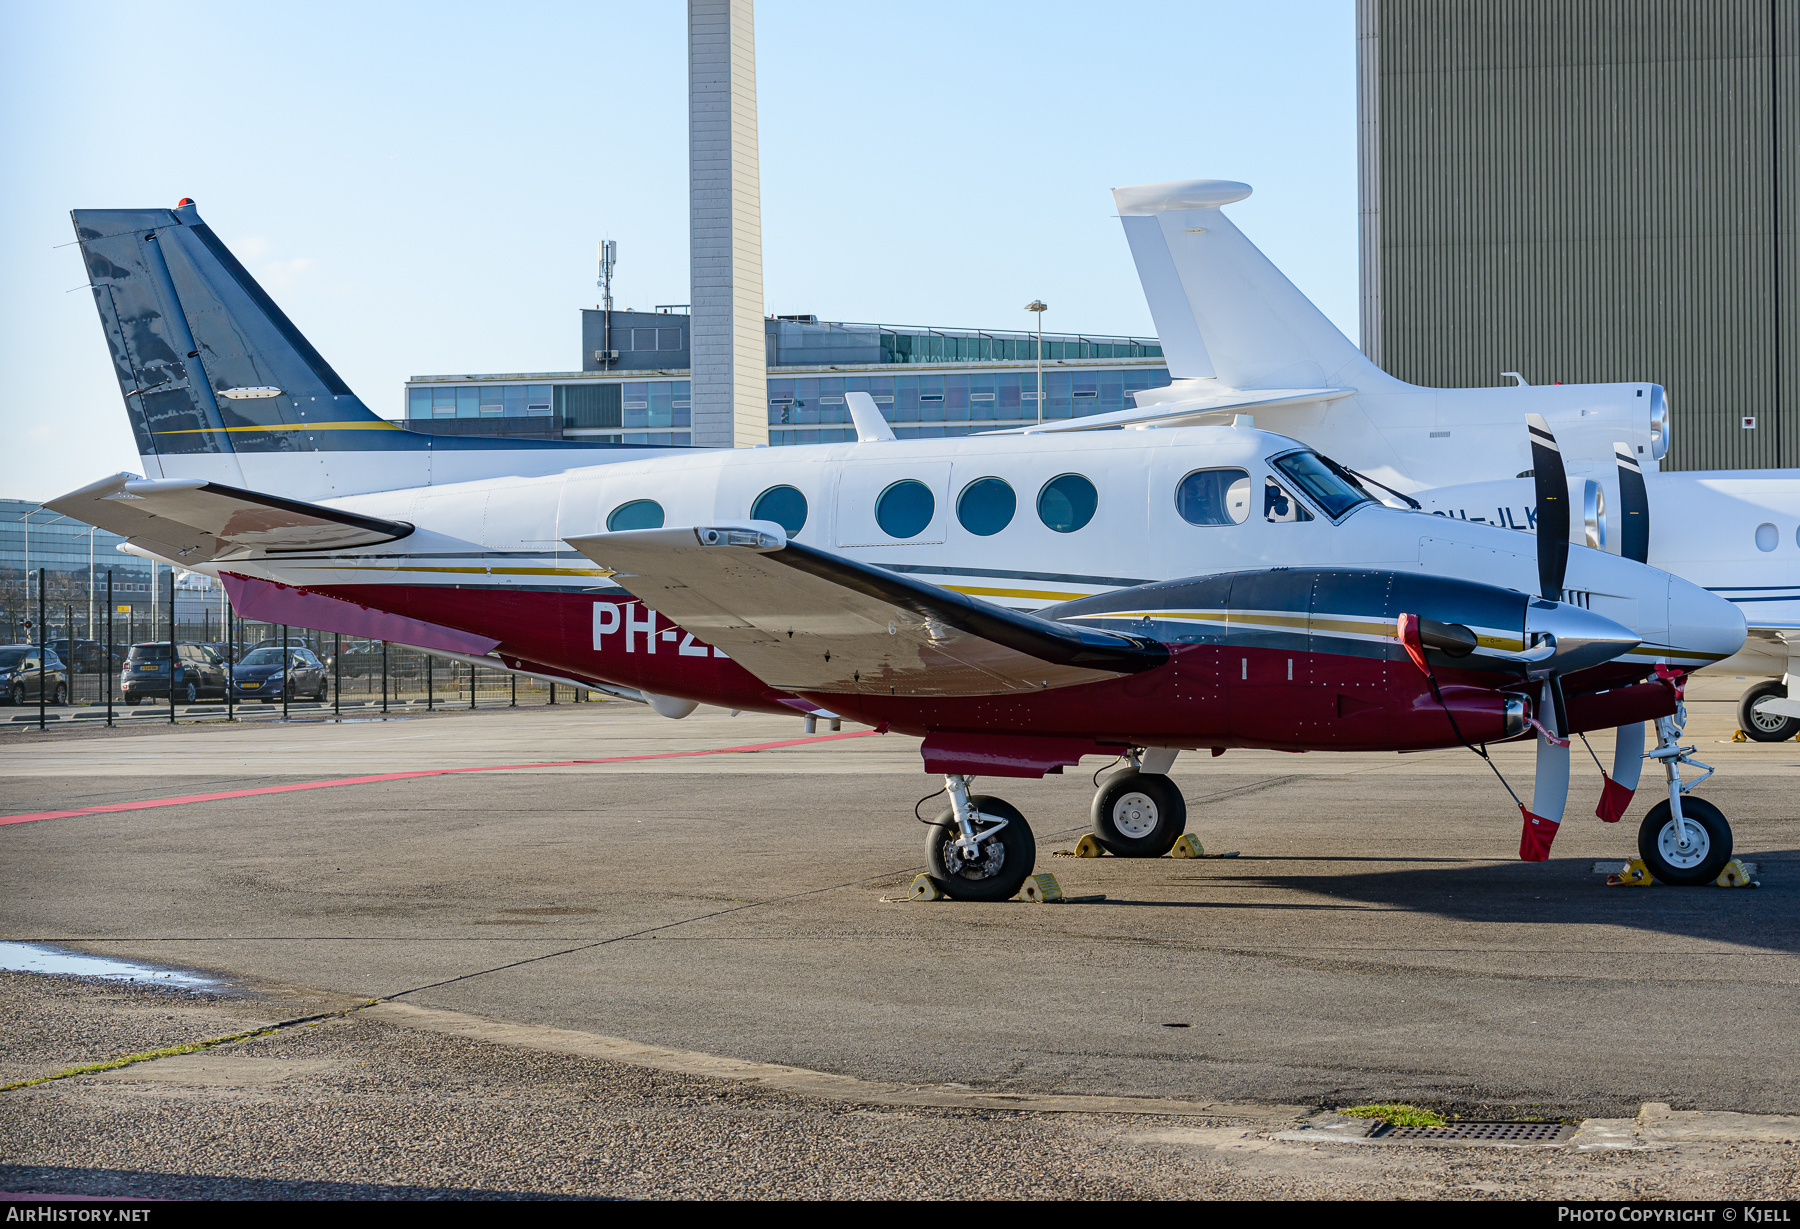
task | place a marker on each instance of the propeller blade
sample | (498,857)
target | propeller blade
(1634,506)
(1552,483)
(1549,795)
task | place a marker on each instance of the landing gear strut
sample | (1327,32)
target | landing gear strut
(1683,841)
(1138,812)
(980,848)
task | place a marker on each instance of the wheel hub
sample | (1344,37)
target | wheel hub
(1135,815)
(1769,722)
(1684,857)
(984,866)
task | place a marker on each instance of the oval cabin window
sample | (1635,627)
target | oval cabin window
(1214,497)
(986,506)
(905,508)
(784,505)
(1067,502)
(638,514)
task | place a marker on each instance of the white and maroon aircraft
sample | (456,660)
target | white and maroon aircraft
(1018,602)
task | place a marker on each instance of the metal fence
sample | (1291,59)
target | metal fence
(360,674)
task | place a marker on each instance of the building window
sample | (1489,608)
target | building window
(538,399)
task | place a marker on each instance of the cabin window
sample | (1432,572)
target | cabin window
(1280,507)
(905,508)
(1214,497)
(638,514)
(986,506)
(1067,502)
(784,505)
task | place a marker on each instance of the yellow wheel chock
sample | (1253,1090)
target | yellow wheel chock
(1041,890)
(1088,847)
(1735,876)
(1635,875)
(1187,845)
(925,888)
(1738,736)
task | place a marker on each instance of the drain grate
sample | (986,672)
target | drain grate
(1484,1132)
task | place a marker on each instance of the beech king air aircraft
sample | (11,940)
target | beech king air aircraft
(1239,337)
(1017,602)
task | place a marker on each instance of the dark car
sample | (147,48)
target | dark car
(24,678)
(221,650)
(87,656)
(358,659)
(146,673)
(266,673)
(293,642)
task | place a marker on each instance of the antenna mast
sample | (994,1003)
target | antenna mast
(609,256)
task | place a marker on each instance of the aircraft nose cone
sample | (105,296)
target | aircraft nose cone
(1703,623)
(1583,638)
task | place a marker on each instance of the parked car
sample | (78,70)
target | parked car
(147,673)
(267,673)
(25,677)
(359,658)
(293,642)
(87,656)
(221,650)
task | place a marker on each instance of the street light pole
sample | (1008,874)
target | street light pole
(1040,307)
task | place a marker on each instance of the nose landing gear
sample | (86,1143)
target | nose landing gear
(1683,841)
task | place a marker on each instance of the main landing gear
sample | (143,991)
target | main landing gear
(980,848)
(1138,812)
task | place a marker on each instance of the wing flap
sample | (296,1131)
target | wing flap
(804,620)
(197,521)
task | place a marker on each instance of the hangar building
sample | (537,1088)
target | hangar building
(1590,191)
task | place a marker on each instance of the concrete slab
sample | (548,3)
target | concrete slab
(215,1071)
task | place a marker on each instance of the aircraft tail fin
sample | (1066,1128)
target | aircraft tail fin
(208,364)
(1222,309)
(219,385)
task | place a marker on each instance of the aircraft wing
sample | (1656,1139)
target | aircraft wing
(1210,408)
(196,521)
(801,619)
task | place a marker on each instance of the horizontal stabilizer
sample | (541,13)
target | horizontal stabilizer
(195,521)
(803,620)
(1216,407)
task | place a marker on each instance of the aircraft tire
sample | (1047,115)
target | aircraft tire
(998,879)
(1138,814)
(1702,865)
(1765,727)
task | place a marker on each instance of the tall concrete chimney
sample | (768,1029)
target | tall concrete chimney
(730,378)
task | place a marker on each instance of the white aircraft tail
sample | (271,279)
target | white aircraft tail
(1222,309)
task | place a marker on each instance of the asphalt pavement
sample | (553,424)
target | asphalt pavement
(1375,940)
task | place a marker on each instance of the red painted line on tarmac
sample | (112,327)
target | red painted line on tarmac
(184,799)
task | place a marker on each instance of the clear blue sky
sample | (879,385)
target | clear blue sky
(421,186)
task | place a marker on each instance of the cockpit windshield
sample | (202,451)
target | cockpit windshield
(1322,483)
